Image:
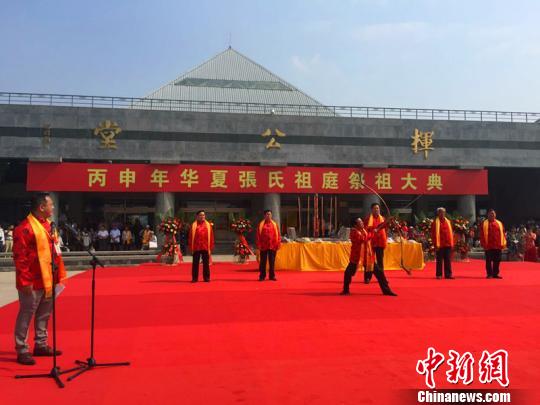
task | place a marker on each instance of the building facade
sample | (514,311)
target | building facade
(235,123)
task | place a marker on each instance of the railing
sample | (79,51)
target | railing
(259,108)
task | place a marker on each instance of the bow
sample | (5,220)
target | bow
(390,218)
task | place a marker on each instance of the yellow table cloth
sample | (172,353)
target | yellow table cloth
(334,256)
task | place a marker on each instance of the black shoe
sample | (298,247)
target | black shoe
(390,293)
(272,279)
(489,276)
(194,281)
(206,280)
(25,359)
(345,293)
(497,276)
(46,351)
(261,279)
(367,278)
(439,277)
(450,278)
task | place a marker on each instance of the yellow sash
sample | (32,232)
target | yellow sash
(370,225)
(438,232)
(261,225)
(501,229)
(366,254)
(194,229)
(370,220)
(45,256)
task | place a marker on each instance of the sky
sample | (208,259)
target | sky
(453,54)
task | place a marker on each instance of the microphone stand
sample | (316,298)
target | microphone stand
(91,363)
(55,372)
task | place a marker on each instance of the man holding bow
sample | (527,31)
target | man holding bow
(379,237)
(362,255)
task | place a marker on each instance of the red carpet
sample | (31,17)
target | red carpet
(236,340)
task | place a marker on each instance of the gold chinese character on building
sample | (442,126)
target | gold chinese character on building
(422,142)
(356,181)
(330,181)
(408,179)
(272,143)
(107,130)
(247,179)
(434,181)
(97,176)
(159,177)
(127,177)
(189,177)
(302,179)
(383,181)
(218,178)
(275,179)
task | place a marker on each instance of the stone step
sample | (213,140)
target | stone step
(83,262)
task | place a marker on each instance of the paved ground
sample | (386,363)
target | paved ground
(8,293)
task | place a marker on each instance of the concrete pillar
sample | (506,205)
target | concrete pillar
(422,205)
(164,209)
(272,201)
(366,204)
(75,202)
(164,205)
(255,215)
(56,201)
(467,207)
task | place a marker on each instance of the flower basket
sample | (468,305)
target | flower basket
(242,250)
(171,249)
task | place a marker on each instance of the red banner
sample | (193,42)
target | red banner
(250,179)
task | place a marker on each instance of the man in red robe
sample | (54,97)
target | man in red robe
(268,240)
(442,236)
(493,241)
(201,242)
(378,242)
(34,278)
(362,255)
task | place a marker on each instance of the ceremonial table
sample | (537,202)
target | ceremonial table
(334,256)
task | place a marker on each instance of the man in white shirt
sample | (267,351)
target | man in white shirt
(115,235)
(1,239)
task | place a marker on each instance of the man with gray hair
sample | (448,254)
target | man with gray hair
(442,236)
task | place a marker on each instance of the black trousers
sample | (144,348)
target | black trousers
(379,254)
(350,271)
(493,259)
(270,256)
(443,255)
(195,266)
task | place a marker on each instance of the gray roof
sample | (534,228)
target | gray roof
(231,77)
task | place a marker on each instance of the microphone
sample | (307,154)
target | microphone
(75,234)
